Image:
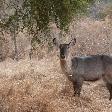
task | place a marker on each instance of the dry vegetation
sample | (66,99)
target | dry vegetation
(40,86)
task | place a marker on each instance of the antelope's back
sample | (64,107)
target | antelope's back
(89,67)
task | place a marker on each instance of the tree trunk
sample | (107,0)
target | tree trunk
(15,46)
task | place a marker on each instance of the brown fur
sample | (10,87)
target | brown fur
(64,68)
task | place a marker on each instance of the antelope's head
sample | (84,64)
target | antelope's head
(64,48)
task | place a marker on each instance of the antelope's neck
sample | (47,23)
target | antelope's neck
(66,67)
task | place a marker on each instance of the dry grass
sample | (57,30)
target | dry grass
(40,86)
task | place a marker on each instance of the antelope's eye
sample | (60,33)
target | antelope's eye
(68,46)
(60,46)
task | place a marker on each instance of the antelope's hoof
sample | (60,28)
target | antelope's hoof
(110,98)
(75,94)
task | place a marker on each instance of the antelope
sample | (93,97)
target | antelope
(85,68)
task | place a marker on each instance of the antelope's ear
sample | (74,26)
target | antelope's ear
(72,43)
(55,42)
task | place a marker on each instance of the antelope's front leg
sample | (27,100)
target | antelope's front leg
(77,85)
(109,87)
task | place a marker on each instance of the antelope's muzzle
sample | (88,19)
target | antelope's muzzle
(62,56)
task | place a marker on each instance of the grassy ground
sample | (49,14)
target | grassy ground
(32,86)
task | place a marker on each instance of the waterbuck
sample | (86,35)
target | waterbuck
(86,68)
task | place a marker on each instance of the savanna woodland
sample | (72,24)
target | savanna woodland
(31,79)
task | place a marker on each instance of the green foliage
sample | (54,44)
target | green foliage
(36,14)
(39,13)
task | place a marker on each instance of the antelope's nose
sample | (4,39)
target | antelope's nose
(62,56)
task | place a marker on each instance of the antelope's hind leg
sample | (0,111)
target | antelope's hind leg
(109,87)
